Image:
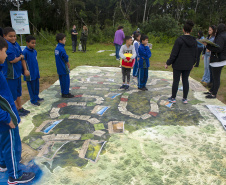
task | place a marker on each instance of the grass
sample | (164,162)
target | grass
(160,54)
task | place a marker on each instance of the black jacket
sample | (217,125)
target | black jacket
(184,53)
(73,37)
(220,51)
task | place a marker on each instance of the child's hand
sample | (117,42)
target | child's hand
(138,58)
(131,60)
(125,60)
(166,66)
(22,56)
(26,73)
(68,65)
(143,58)
(203,57)
(11,124)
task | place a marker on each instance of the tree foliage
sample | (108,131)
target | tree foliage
(165,16)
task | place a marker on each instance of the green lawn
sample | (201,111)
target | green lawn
(160,53)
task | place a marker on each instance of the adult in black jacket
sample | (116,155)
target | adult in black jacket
(74,34)
(182,58)
(217,59)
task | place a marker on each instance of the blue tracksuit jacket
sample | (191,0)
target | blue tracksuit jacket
(8,109)
(12,71)
(144,52)
(61,60)
(30,56)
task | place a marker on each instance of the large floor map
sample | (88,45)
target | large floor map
(105,135)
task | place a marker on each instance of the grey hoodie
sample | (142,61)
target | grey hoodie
(124,49)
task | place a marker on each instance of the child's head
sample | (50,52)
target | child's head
(188,27)
(9,34)
(137,36)
(74,27)
(128,40)
(144,40)
(61,38)
(3,48)
(31,41)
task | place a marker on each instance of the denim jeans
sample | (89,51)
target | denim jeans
(206,76)
(117,49)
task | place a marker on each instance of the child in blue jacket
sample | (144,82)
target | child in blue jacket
(10,143)
(30,56)
(13,68)
(143,63)
(63,66)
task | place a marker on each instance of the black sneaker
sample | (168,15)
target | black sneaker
(26,177)
(123,86)
(146,89)
(40,99)
(23,112)
(142,89)
(68,95)
(36,104)
(127,87)
(210,96)
(3,168)
(207,93)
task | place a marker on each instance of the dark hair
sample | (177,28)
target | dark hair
(1,32)
(60,36)
(200,34)
(29,38)
(188,26)
(3,43)
(7,30)
(120,27)
(143,37)
(221,28)
(136,35)
(127,38)
(214,28)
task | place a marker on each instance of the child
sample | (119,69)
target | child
(10,143)
(63,66)
(136,44)
(127,48)
(30,56)
(143,64)
(13,68)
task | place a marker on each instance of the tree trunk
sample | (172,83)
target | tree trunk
(124,15)
(66,15)
(145,6)
(197,3)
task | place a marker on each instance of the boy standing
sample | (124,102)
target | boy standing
(13,68)
(127,48)
(63,66)
(10,143)
(30,56)
(143,63)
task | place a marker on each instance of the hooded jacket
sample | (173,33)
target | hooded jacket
(221,50)
(184,53)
